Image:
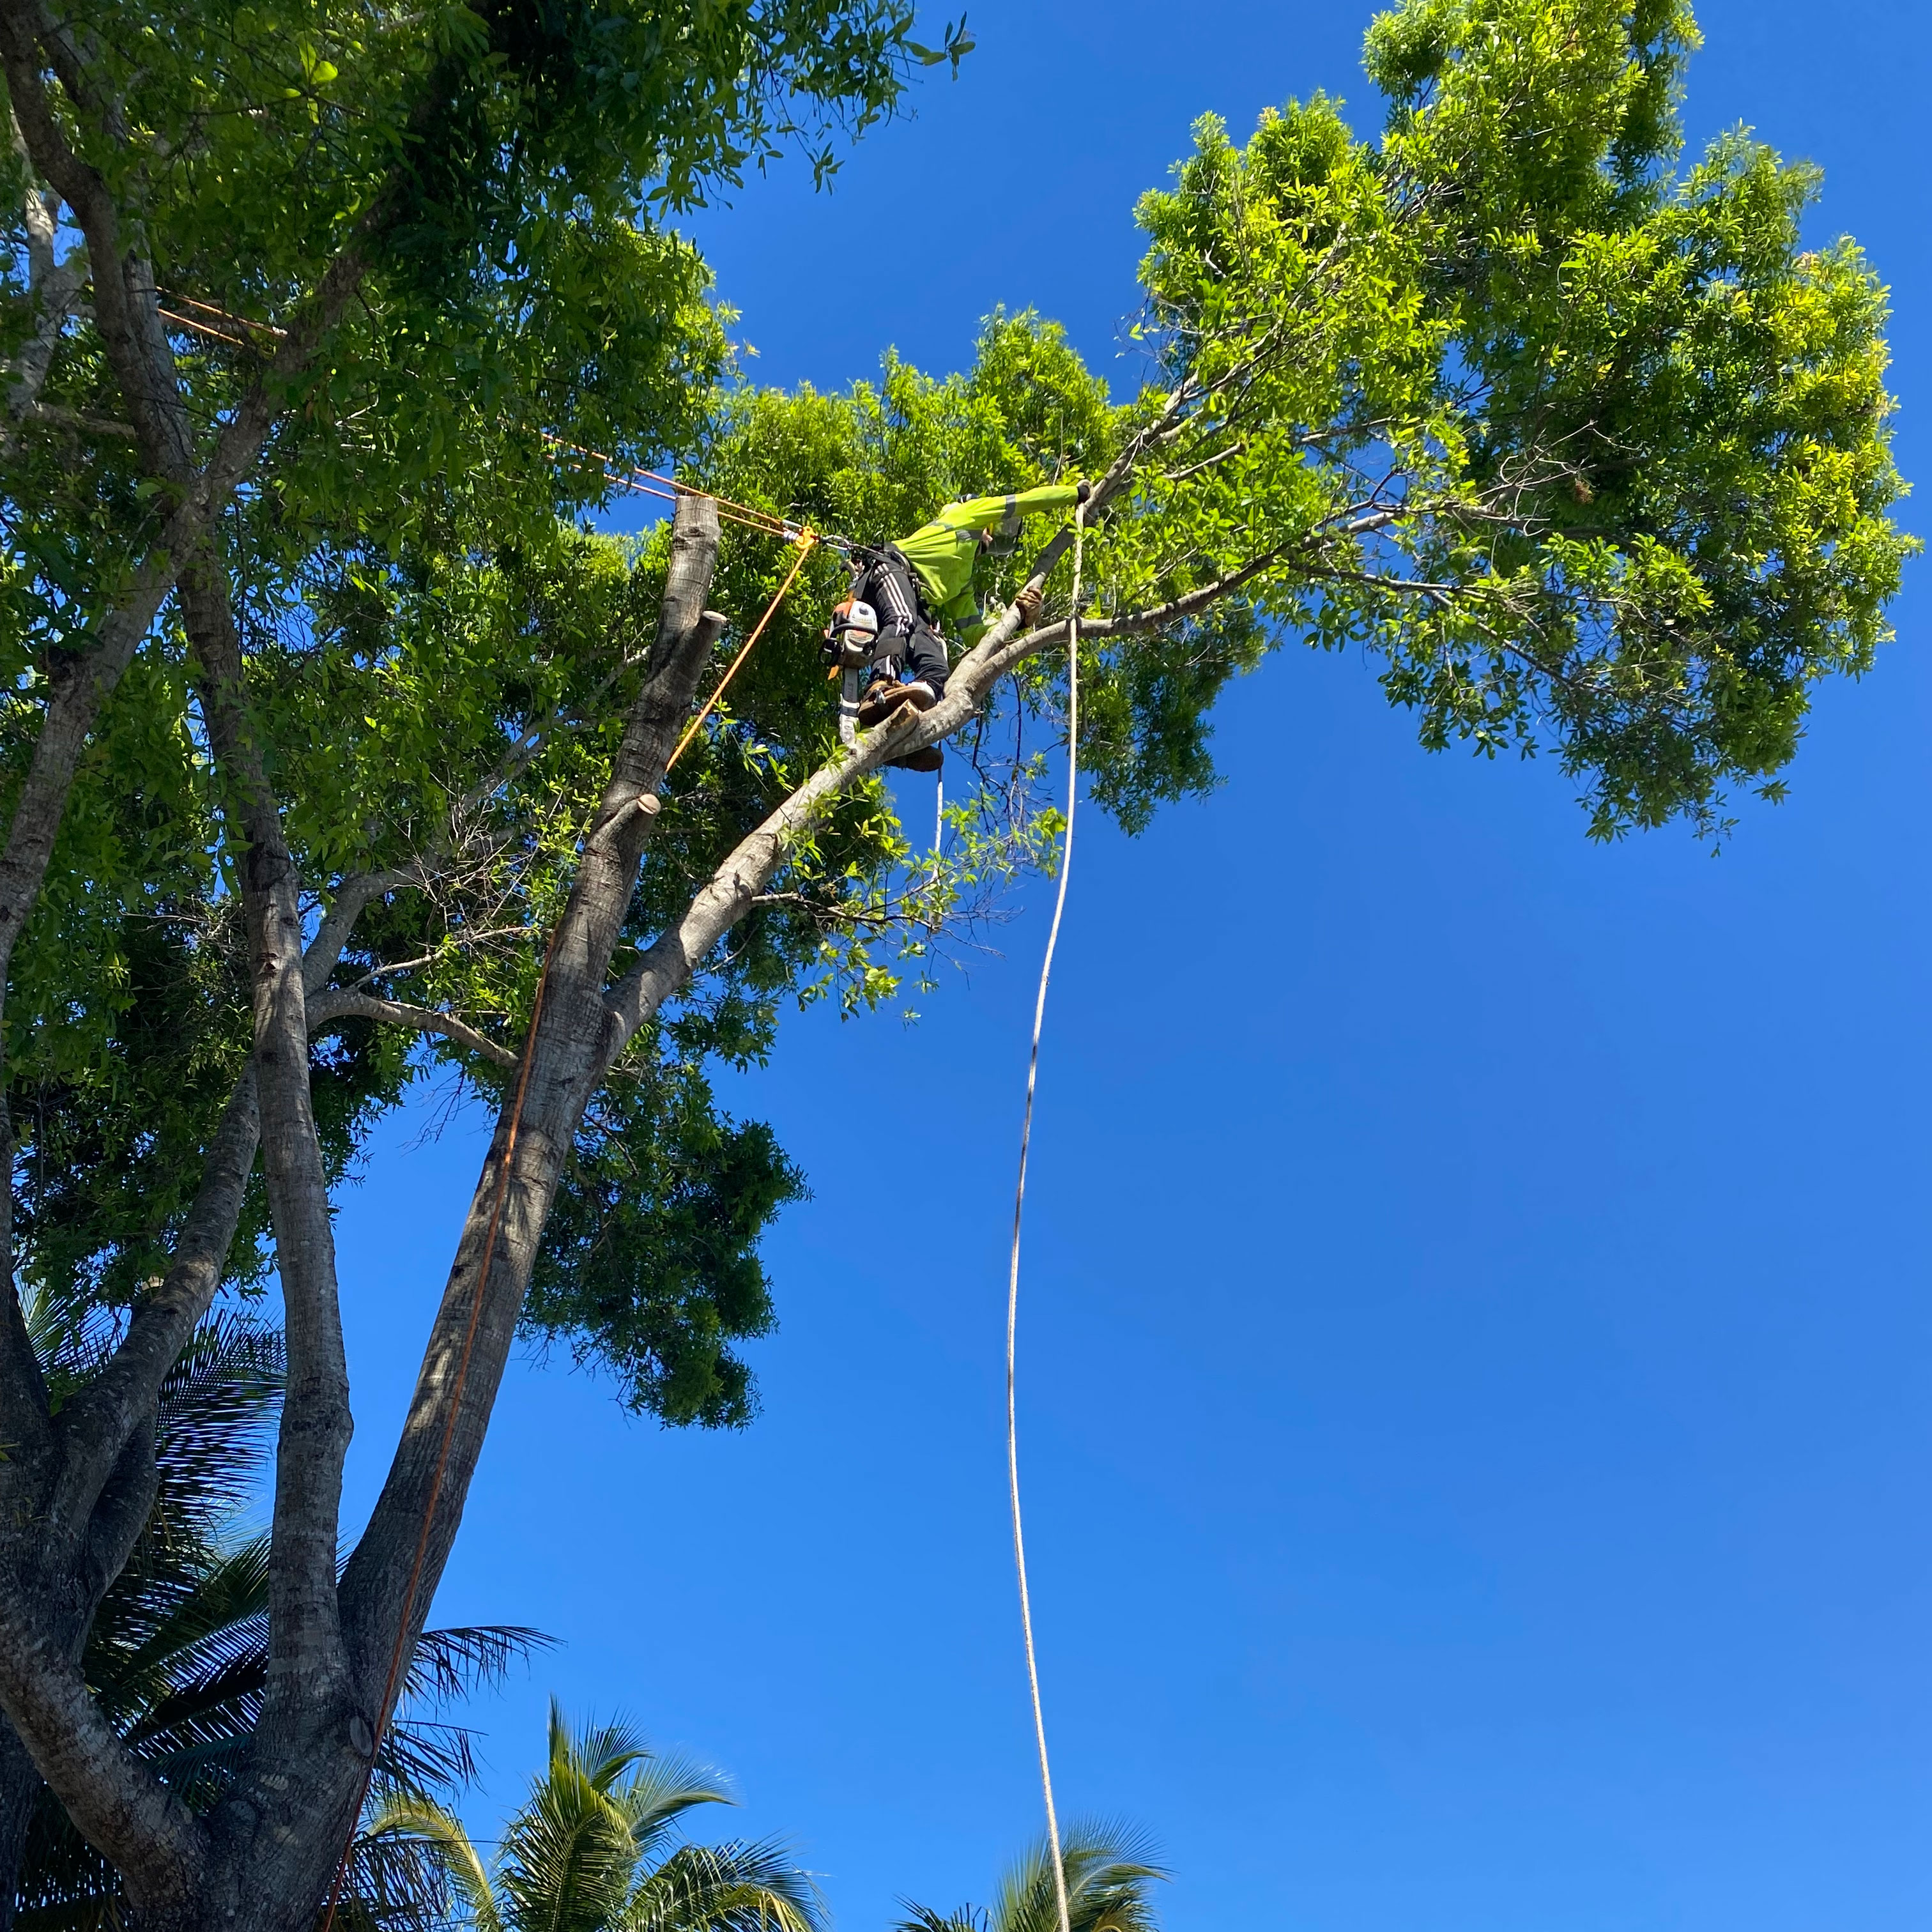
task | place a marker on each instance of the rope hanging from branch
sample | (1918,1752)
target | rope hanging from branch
(1019,1204)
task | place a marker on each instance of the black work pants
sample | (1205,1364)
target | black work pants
(909,647)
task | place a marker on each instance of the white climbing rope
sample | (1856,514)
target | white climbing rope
(1019,1204)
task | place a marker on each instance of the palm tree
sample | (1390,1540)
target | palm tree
(1110,1875)
(593,1849)
(177,1656)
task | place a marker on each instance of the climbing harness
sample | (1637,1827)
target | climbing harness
(1019,1204)
(851,646)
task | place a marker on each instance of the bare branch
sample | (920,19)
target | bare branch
(337,1004)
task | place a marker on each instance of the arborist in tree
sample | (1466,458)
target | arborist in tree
(920,589)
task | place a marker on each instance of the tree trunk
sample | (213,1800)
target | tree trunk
(20,1789)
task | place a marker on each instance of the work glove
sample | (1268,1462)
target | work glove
(1082,491)
(1028,604)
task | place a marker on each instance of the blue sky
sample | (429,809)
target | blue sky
(1475,1341)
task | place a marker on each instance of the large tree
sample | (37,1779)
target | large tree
(1593,453)
(289,287)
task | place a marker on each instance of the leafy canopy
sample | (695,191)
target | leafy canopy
(1588,448)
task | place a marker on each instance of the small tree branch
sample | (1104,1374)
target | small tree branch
(330,1008)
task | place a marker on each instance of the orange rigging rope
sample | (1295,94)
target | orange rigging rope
(645,482)
(806,541)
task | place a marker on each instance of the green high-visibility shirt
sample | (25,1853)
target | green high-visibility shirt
(943,552)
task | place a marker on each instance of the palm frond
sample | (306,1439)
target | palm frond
(451,1664)
(217,1410)
(600,1753)
(923,1919)
(421,1755)
(569,1855)
(219,1622)
(420,1852)
(661,1791)
(72,1334)
(740,1887)
(1110,1870)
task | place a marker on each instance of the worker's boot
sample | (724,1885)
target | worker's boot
(887,696)
(927,758)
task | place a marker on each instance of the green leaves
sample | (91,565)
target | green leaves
(1597,458)
(954,45)
(650,1265)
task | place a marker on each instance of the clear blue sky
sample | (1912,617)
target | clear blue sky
(1476,1343)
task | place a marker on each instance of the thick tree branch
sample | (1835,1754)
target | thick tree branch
(122,1512)
(26,1429)
(305,1658)
(125,312)
(53,287)
(563,1071)
(119,1805)
(96,1424)
(54,416)
(669,965)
